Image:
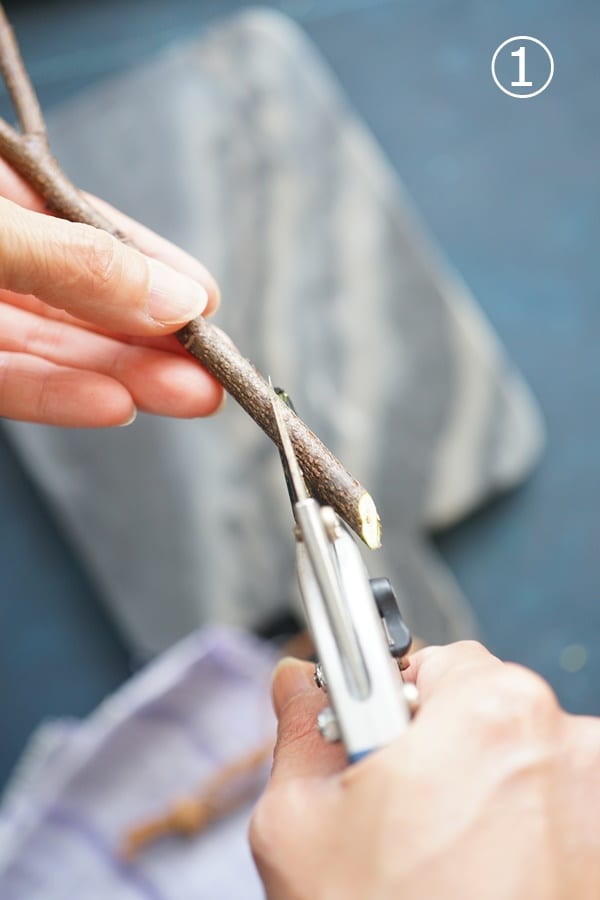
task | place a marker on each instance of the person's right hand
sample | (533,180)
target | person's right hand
(493,793)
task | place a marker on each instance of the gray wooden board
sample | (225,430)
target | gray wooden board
(241,148)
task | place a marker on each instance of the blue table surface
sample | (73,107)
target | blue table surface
(510,189)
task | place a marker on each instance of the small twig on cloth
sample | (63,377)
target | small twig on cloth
(225,792)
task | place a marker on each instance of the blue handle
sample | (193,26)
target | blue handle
(356,757)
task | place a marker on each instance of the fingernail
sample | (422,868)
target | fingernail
(173,297)
(291,677)
(130,420)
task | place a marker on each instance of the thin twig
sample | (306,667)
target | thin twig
(30,156)
(231,786)
(18,83)
(28,151)
(325,476)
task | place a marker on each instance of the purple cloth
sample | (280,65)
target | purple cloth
(82,785)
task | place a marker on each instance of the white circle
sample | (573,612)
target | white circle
(523,37)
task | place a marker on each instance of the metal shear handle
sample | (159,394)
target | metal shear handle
(345,617)
(368,706)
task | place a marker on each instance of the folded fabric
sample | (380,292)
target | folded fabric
(81,786)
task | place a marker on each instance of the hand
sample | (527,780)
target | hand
(493,793)
(85,321)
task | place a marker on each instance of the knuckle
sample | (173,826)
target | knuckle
(17,249)
(48,393)
(517,705)
(535,695)
(42,336)
(273,817)
(472,646)
(260,832)
(459,650)
(96,259)
(279,825)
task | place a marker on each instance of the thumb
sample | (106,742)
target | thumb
(92,275)
(300,749)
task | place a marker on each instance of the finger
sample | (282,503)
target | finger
(92,275)
(158,247)
(35,390)
(300,749)
(159,381)
(434,667)
(14,187)
(31,304)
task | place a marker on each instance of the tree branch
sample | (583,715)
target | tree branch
(30,156)
(18,83)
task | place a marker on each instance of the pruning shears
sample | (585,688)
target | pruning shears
(355,622)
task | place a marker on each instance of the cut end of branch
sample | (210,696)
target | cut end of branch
(370,522)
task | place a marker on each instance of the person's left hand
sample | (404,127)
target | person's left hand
(85,340)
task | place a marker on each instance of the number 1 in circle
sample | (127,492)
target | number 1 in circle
(520,53)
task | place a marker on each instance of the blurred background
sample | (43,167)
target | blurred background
(510,190)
